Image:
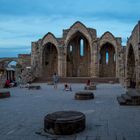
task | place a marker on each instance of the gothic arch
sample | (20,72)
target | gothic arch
(107,60)
(50,55)
(107,49)
(78,27)
(49,60)
(107,37)
(49,37)
(75,62)
(131,66)
(78,56)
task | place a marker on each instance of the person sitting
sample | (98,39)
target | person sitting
(88,83)
(7,84)
(13,83)
(67,87)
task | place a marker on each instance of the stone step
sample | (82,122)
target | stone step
(126,97)
(121,100)
(132,92)
(80,79)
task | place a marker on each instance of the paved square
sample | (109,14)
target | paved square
(21,115)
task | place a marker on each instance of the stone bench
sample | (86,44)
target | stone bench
(4,94)
(64,122)
(84,95)
(132,97)
(50,83)
(34,87)
(91,87)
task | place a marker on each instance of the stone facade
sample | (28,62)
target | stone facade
(79,53)
(132,59)
(21,69)
(24,60)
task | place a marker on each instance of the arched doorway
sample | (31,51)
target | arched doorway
(107,60)
(131,73)
(78,56)
(50,60)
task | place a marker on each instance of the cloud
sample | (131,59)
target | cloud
(25,21)
(13,51)
(80,8)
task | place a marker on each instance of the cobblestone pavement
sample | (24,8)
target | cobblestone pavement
(21,115)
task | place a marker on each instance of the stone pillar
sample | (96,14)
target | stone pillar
(94,60)
(137,65)
(117,50)
(117,63)
(6,75)
(64,62)
(78,58)
(60,61)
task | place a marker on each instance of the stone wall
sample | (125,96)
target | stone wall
(72,36)
(108,38)
(89,66)
(124,61)
(24,60)
(133,43)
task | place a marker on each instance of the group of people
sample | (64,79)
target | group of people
(67,87)
(10,83)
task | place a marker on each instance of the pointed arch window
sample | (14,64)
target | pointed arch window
(107,57)
(71,48)
(81,47)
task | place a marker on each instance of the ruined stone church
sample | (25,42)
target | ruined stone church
(81,53)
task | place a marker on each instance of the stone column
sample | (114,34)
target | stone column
(64,62)
(117,63)
(94,60)
(117,50)
(137,65)
(60,61)
(6,75)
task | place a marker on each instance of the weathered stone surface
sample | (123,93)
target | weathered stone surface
(84,95)
(34,87)
(22,114)
(64,57)
(64,122)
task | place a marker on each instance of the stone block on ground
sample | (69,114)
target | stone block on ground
(64,122)
(4,94)
(37,87)
(91,87)
(50,83)
(84,95)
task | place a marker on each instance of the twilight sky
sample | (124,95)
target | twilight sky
(24,21)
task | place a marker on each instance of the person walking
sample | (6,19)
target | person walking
(55,80)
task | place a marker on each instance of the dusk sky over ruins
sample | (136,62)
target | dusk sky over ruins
(24,21)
